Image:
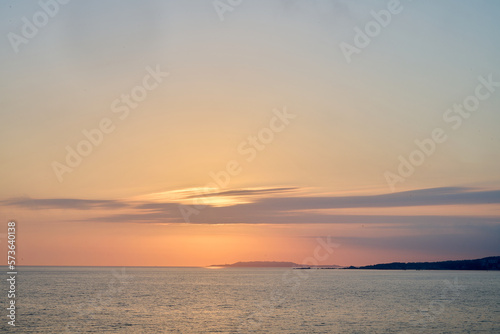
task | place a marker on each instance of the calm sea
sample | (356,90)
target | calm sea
(199,300)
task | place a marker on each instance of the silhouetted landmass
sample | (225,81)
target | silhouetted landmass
(259,264)
(487,263)
(270,264)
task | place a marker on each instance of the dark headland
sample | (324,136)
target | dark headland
(270,264)
(487,263)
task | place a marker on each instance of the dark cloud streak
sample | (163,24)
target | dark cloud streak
(283,210)
(63,203)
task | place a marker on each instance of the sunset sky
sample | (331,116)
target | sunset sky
(169,133)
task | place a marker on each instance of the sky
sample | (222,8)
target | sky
(169,133)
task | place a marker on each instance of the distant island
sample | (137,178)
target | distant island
(487,263)
(271,264)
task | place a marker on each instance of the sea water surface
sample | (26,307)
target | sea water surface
(253,300)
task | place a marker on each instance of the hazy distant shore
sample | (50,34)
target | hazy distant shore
(272,264)
(487,263)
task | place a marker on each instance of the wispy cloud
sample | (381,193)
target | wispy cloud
(63,203)
(270,206)
(424,197)
(251,192)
